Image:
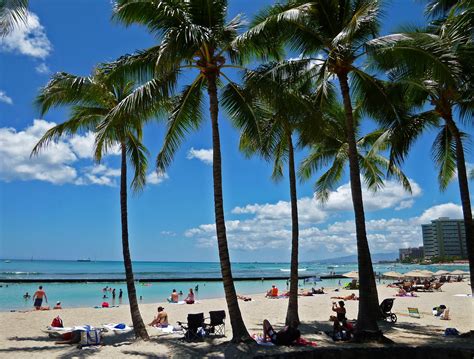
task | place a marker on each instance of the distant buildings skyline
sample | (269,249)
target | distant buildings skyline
(444,237)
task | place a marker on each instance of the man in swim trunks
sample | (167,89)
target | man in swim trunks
(38,298)
(174,298)
(286,336)
(161,320)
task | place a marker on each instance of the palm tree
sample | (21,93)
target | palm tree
(194,37)
(92,99)
(282,106)
(12,13)
(333,34)
(434,67)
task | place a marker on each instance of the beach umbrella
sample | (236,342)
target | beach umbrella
(458,272)
(353,274)
(393,274)
(441,272)
(426,272)
(419,274)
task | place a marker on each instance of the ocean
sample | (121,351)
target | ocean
(90,294)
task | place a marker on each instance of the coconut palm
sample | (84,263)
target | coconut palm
(434,66)
(333,34)
(91,100)
(282,106)
(195,38)
(12,14)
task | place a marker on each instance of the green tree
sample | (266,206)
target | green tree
(91,100)
(12,13)
(434,67)
(195,37)
(333,34)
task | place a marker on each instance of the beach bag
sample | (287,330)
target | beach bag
(90,337)
(57,322)
(451,331)
(105,305)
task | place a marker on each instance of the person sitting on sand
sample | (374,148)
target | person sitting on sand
(273,292)
(38,298)
(348,297)
(244,298)
(161,319)
(318,291)
(286,336)
(190,298)
(58,305)
(174,298)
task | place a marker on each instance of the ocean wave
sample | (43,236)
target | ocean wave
(21,273)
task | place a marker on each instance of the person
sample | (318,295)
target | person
(105,289)
(318,291)
(141,297)
(174,298)
(403,293)
(104,296)
(348,297)
(190,298)
(180,293)
(339,283)
(73,337)
(161,319)
(305,293)
(244,298)
(120,293)
(273,292)
(286,336)
(342,329)
(340,311)
(58,305)
(27,295)
(196,288)
(113,293)
(38,297)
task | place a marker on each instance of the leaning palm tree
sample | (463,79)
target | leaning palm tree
(434,68)
(92,99)
(12,14)
(195,37)
(333,34)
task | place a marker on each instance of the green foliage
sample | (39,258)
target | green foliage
(12,14)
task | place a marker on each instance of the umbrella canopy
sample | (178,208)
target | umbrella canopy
(352,274)
(393,274)
(417,274)
(441,272)
(458,272)
(426,272)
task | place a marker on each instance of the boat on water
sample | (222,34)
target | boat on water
(84,260)
(7,261)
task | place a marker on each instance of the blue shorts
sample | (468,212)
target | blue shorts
(38,302)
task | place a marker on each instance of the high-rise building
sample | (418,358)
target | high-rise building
(444,237)
(412,253)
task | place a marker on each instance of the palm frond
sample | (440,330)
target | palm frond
(444,155)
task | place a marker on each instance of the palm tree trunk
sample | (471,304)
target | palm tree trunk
(239,331)
(368,299)
(465,198)
(292,312)
(138,325)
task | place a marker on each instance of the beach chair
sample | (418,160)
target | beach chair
(386,309)
(217,324)
(195,321)
(414,312)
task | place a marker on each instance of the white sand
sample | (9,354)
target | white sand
(21,334)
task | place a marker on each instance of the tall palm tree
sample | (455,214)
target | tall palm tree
(91,100)
(333,34)
(282,106)
(12,14)
(195,37)
(434,68)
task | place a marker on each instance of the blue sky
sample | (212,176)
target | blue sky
(63,206)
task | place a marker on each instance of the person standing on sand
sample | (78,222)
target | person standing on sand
(38,297)
(113,293)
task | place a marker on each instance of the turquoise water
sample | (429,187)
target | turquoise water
(90,294)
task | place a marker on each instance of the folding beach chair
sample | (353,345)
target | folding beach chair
(217,324)
(195,321)
(414,312)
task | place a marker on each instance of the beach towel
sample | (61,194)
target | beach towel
(414,312)
(168,329)
(117,328)
(260,341)
(277,297)
(462,295)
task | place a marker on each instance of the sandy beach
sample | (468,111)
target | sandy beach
(22,336)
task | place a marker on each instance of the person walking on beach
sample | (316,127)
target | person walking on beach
(38,297)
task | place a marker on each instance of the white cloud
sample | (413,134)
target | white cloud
(55,164)
(27,39)
(156,178)
(42,69)
(4,98)
(269,225)
(202,155)
(450,210)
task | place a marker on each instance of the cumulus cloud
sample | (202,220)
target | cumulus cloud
(57,164)
(28,39)
(204,155)
(5,99)
(269,225)
(156,177)
(42,69)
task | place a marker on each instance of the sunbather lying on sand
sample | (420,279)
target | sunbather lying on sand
(403,293)
(286,336)
(305,293)
(244,298)
(348,297)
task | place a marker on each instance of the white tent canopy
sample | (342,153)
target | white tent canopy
(353,274)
